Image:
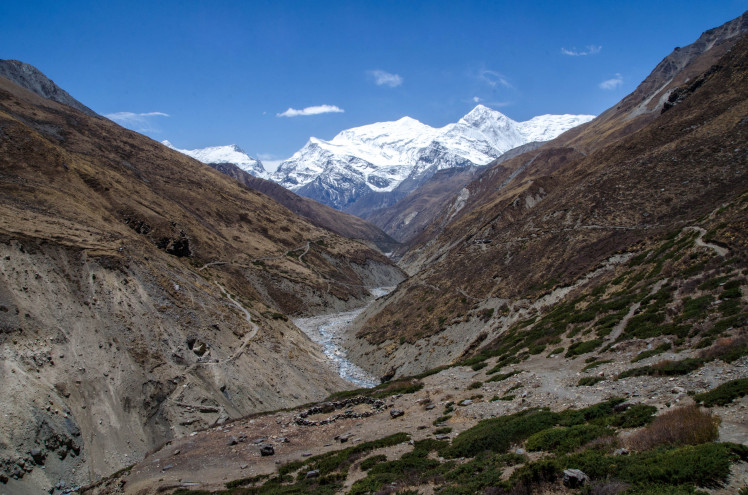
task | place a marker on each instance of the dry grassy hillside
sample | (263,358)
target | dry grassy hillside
(144,295)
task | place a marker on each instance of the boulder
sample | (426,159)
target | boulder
(267,450)
(574,478)
(396,413)
(312,474)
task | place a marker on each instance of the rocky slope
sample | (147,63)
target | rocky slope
(29,77)
(376,165)
(548,220)
(317,213)
(144,296)
(407,218)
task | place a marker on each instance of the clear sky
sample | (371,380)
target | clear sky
(267,75)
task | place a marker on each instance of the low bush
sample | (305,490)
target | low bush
(724,394)
(688,425)
(634,417)
(652,352)
(566,439)
(498,434)
(583,347)
(370,462)
(588,381)
(665,368)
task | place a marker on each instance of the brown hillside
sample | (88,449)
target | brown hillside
(144,295)
(546,219)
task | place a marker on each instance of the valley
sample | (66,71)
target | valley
(552,306)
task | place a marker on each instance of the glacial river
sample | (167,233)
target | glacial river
(328,330)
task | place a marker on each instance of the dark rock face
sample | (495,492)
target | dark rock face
(29,77)
(267,450)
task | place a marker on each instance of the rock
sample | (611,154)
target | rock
(396,413)
(574,478)
(306,454)
(281,440)
(343,439)
(167,467)
(430,407)
(466,402)
(442,437)
(258,441)
(267,450)
(232,441)
(520,451)
(37,455)
(621,452)
(176,452)
(312,474)
(244,466)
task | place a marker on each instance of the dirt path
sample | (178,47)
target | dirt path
(251,334)
(700,242)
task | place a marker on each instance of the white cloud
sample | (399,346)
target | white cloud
(140,122)
(382,78)
(316,110)
(493,79)
(477,99)
(589,50)
(612,83)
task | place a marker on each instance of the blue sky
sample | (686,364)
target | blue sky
(220,72)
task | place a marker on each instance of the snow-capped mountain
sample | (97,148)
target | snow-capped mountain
(396,157)
(226,154)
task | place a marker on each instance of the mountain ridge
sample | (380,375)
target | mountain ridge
(391,159)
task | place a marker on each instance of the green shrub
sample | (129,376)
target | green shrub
(565,439)
(588,381)
(479,366)
(634,417)
(723,394)
(475,385)
(503,376)
(583,347)
(370,462)
(652,352)
(665,368)
(498,434)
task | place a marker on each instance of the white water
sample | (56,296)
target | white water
(328,330)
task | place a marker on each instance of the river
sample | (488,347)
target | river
(328,330)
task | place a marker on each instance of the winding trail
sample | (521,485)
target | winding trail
(251,334)
(700,242)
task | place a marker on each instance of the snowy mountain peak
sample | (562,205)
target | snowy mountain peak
(482,113)
(225,154)
(387,156)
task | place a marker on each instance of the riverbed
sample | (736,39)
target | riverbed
(328,330)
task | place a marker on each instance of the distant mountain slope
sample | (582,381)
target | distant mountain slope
(318,214)
(29,77)
(144,295)
(541,224)
(225,154)
(375,165)
(407,218)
